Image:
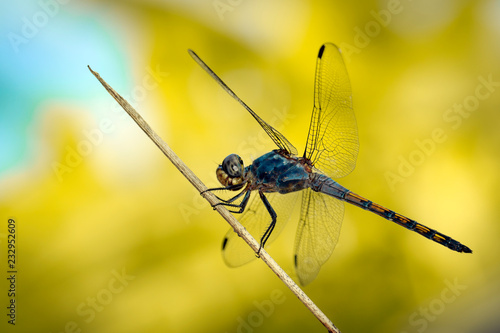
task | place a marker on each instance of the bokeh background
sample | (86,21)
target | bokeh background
(111,237)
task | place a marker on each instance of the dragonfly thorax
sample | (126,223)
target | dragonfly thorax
(230,172)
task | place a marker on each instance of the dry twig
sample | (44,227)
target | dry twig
(238,228)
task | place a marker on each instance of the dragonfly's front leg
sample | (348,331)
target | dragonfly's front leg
(269,229)
(227,188)
(241,206)
(228,203)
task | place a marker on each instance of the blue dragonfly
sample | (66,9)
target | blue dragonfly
(279,176)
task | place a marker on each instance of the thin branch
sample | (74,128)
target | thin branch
(238,228)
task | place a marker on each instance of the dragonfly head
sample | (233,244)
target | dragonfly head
(230,172)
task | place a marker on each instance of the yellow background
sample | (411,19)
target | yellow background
(123,209)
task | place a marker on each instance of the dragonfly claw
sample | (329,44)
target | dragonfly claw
(257,254)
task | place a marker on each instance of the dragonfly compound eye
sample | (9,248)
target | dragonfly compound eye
(233,165)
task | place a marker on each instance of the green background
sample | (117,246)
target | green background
(119,208)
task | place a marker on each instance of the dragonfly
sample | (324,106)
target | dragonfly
(281,175)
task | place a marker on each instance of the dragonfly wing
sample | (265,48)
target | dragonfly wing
(276,136)
(256,219)
(317,234)
(332,142)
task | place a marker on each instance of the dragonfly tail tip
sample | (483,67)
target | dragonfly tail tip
(465,249)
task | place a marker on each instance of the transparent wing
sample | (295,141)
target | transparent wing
(276,136)
(317,234)
(256,219)
(332,142)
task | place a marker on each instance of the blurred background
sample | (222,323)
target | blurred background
(112,238)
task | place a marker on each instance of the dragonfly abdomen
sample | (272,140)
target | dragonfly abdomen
(323,184)
(403,221)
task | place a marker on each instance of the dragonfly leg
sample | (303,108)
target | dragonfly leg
(226,188)
(271,226)
(241,206)
(229,200)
